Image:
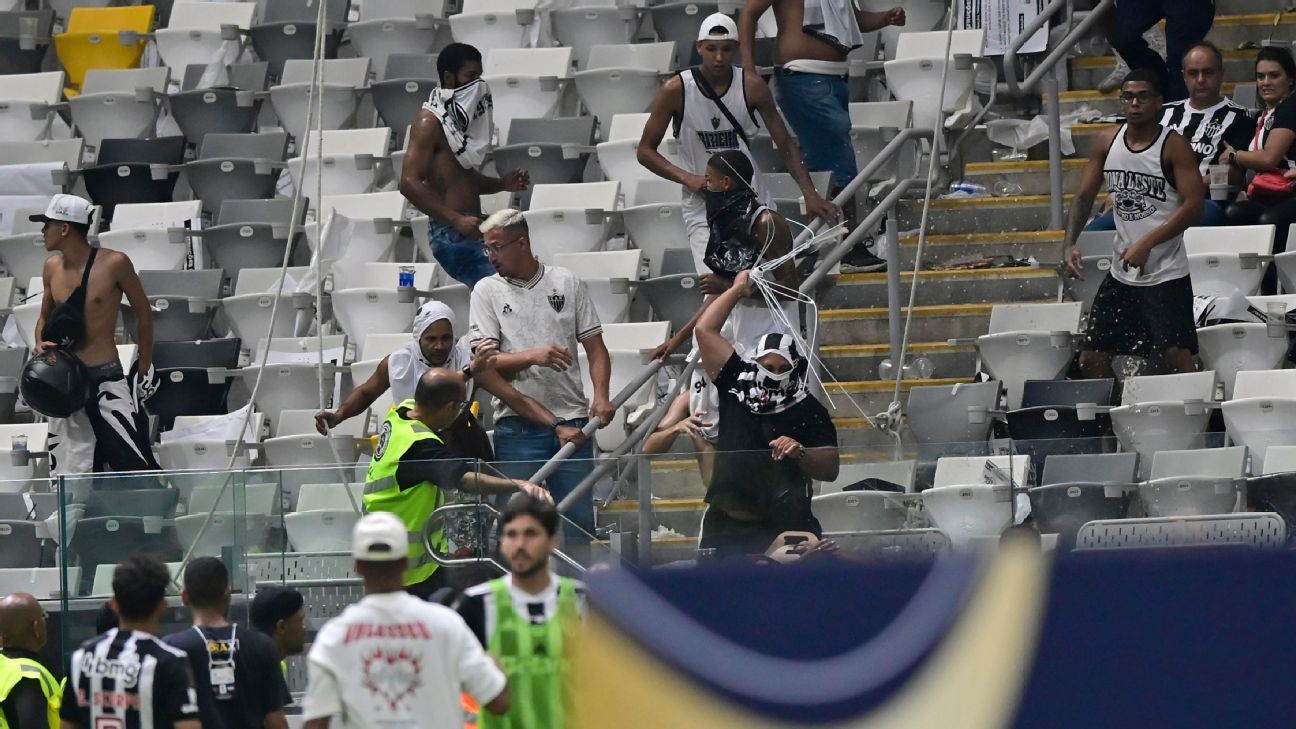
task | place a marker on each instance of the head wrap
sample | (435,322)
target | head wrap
(765,392)
(428,314)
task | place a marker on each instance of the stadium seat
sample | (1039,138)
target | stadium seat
(1163,412)
(185,387)
(785,193)
(943,413)
(368,225)
(1279,459)
(1192,495)
(1062,508)
(655,220)
(351,161)
(1028,342)
(1230,462)
(236,167)
(552,151)
(130,171)
(21,545)
(286,31)
(19,478)
(297,443)
(118,104)
(609,277)
(12,361)
(965,505)
(244,529)
(916,75)
(193,34)
(859,511)
(248,310)
(206,445)
(324,517)
(1090,467)
(525,83)
(21,96)
(230,108)
(408,80)
(628,346)
(25,315)
(45,583)
(248,234)
(570,218)
(900,473)
(458,297)
(868,122)
(1221,264)
(385,27)
(24,39)
(183,303)
(103,574)
(618,152)
(292,374)
(491,24)
(674,298)
(1261,412)
(582,27)
(344,79)
(677,22)
(102,38)
(1232,348)
(152,234)
(622,79)
(366,300)
(23,255)
(1048,422)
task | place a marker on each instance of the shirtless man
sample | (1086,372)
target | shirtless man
(811,88)
(441,177)
(83,290)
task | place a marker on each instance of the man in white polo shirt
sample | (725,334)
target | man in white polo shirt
(537,314)
(393,660)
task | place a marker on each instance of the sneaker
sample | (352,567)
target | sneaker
(862,260)
(1156,40)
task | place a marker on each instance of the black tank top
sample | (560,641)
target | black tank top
(66,324)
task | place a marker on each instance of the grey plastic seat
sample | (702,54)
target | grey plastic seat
(550,150)
(126,172)
(1037,393)
(677,260)
(228,109)
(679,21)
(13,507)
(1047,423)
(236,167)
(407,82)
(1091,468)
(20,28)
(1192,495)
(287,31)
(12,361)
(1063,508)
(183,303)
(222,353)
(248,234)
(111,105)
(19,545)
(940,414)
(385,27)
(1216,462)
(675,298)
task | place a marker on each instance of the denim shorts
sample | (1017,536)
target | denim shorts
(463,258)
(815,106)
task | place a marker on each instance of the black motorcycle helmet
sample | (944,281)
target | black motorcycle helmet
(55,383)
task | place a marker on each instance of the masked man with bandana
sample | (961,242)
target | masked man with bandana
(776,436)
(441,175)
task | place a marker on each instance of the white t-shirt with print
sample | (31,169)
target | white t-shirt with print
(394,661)
(553,308)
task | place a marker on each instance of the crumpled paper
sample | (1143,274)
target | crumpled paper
(1021,135)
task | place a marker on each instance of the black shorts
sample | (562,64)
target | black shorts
(1141,320)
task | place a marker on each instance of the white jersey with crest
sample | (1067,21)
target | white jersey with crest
(1143,198)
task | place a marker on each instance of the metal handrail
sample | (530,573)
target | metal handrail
(429,533)
(841,249)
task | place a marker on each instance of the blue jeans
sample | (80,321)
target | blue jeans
(1187,22)
(464,259)
(815,106)
(1212,214)
(522,447)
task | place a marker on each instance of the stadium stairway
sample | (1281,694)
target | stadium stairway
(951,304)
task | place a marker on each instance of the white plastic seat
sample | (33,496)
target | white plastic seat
(40,582)
(23,255)
(644,336)
(525,82)
(1028,342)
(352,159)
(259,503)
(368,228)
(1191,496)
(102,586)
(493,23)
(970,513)
(366,300)
(1227,462)
(962,470)
(628,347)
(868,119)
(1162,412)
(151,234)
(26,314)
(324,517)
(343,80)
(206,444)
(582,27)
(385,27)
(119,103)
(1232,348)
(623,78)
(857,511)
(1262,413)
(458,297)
(292,380)
(193,33)
(1278,459)
(915,75)
(654,220)
(1222,260)
(571,218)
(618,153)
(297,443)
(19,93)
(16,479)
(607,276)
(900,473)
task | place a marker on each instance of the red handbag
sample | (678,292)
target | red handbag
(1271,183)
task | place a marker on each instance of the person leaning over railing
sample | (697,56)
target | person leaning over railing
(775,438)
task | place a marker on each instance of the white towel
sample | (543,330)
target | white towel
(466,120)
(833,21)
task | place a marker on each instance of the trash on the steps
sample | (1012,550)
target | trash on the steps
(1004,188)
(918,368)
(1008,154)
(987,262)
(1021,135)
(965,189)
(665,532)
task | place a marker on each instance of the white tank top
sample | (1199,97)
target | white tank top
(702,129)
(1143,198)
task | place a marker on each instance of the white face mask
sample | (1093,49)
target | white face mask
(467,99)
(770,380)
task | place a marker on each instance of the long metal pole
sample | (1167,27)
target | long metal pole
(895,322)
(869,221)
(1054,150)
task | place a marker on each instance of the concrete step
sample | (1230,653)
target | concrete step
(1029,178)
(681,515)
(1244,7)
(1083,136)
(1043,245)
(854,362)
(928,323)
(982,214)
(874,396)
(945,287)
(1088,71)
(1231,32)
(1105,104)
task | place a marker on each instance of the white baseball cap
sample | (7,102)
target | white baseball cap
(379,537)
(65,209)
(718,20)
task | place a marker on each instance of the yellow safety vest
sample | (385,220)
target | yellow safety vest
(13,670)
(413,506)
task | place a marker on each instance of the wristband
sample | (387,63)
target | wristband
(557,421)
(467,372)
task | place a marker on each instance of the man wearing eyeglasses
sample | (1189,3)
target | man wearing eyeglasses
(1144,306)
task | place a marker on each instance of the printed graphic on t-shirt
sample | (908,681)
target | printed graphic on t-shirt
(1131,192)
(391,676)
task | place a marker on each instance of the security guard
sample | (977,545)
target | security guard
(29,695)
(412,467)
